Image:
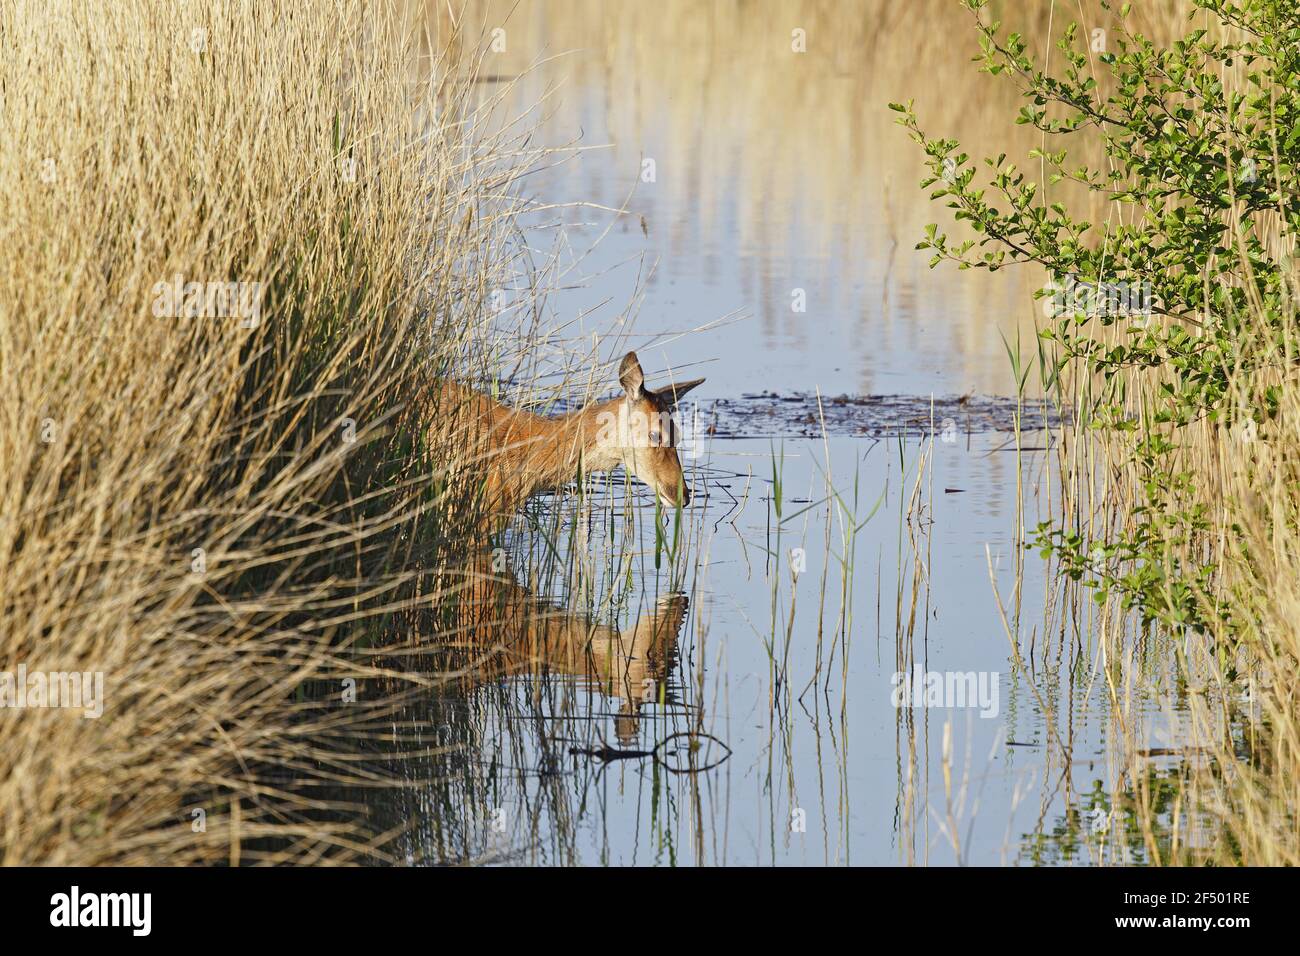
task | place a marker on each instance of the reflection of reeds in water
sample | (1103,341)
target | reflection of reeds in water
(549,699)
(582,653)
(786,164)
(1145,801)
(791,537)
(928,813)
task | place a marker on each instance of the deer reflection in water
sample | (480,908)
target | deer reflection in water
(503,630)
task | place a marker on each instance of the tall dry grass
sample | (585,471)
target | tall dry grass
(1229,711)
(210,511)
(1258,801)
(1244,718)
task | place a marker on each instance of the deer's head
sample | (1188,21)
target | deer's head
(644,435)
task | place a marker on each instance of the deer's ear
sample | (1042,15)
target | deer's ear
(673,392)
(631,376)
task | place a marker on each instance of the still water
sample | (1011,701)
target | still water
(842,654)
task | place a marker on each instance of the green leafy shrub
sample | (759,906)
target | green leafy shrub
(1182,292)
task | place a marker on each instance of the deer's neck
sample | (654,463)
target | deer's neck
(548,452)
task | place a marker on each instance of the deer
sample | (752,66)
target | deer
(522,453)
(510,454)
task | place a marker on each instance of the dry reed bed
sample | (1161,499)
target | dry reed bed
(204,508)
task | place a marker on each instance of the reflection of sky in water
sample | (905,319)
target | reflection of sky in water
(776,177)
(889,325)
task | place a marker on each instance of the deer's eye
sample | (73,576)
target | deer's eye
(655,439)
